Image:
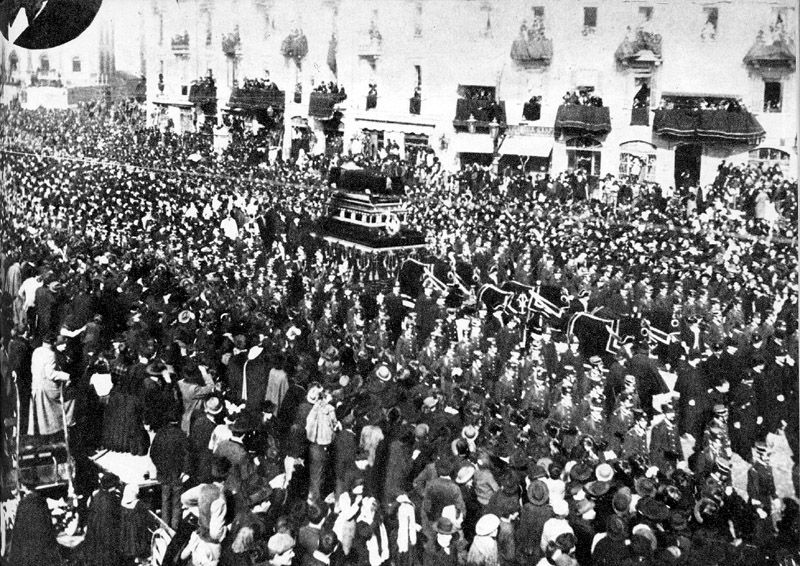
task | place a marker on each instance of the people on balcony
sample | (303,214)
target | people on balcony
(331,88)
(532,109)
(259,84)
(372,96)
(729,104)
(582,98)
(415,104)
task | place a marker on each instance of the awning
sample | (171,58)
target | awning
(592,119)
(484,111)
(534,146)
(473,143)
(404,123)
(708,125)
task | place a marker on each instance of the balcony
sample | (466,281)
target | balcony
(700,125)
(414,105)
(640,116)
(371,49)
(583,119)
(640,48)
(322,105)
(180,45)
(532,52)
(479,113)
(257,99)
(203,92)
(775,55)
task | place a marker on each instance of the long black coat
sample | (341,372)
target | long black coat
(33,541)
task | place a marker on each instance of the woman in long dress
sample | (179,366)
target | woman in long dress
(45,417)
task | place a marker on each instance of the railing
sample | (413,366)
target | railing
(640,116)
(371,49)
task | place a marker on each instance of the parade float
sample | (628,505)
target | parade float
(367,218)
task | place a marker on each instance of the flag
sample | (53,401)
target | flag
(332,54)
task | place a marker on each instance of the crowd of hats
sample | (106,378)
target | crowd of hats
(141,229)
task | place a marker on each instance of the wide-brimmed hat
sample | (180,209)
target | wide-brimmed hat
(652,509)
(383,372)
(465,473)
(245,422)
(212,406)
(596,488)
(538,494)
(487,525)
(604,473)
(445,526)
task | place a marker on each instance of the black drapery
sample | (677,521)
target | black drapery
(591,119)
(708,125)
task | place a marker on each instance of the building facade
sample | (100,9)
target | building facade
(108,53)
(485,80)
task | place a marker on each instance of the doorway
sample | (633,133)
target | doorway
(687,164)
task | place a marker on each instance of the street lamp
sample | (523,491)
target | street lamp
(471,124)
(494,133)
(494,129)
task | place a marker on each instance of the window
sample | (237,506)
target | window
(768,157)
(486,20)
(418,19)
(637,161)
(646,13)
(589,19)
(584,153)
(709,31)
(538,12)
(76,65)
(772,96)
(418,74)
(44,64)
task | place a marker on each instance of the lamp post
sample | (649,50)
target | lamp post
(471,124)
(494,133)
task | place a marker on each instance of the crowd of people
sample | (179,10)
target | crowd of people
(298,413)
(582,98)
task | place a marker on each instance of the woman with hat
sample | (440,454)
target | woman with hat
(483,551)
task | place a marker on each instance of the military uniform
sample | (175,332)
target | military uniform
(665,444)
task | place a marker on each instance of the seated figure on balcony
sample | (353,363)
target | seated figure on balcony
(372,96)
(583,98)
(532,109)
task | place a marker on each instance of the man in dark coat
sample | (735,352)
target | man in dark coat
(649,382)
(199,437)
(665,441)
(171,455)
(742,422)
(693,402)
(345,448)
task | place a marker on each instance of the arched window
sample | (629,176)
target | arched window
(769,156)
(584,153)
(637,160)
(13,61)
(76,64)
(44,63)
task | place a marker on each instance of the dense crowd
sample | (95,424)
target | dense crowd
(304,415)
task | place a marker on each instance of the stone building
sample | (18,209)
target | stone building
(485,80)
